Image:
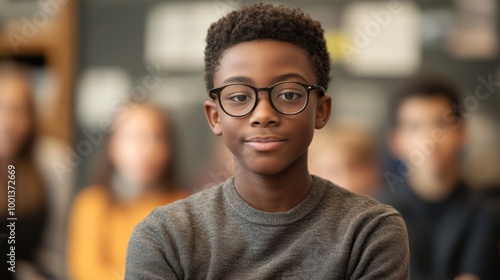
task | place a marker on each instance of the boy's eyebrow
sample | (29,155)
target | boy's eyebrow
(289,76)
(238,80)
(280,78)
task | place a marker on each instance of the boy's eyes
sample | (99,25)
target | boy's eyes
(282,96)
(240,97)
(289,95)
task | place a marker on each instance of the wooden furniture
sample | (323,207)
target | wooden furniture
(49,33)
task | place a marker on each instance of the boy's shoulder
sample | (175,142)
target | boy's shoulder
(350,205)
(197,202)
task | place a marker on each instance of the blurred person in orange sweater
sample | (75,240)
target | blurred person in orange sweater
(345,154)
(141,177)
(452,234)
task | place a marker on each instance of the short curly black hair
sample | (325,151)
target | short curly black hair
(267,21)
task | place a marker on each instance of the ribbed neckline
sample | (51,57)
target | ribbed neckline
(275,219)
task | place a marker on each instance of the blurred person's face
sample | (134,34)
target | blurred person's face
(266,142)
(346,170)
(139,148)
(15,116)
(424,137)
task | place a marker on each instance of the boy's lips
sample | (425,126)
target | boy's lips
(265,143)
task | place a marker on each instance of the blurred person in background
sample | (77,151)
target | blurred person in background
(17,141)
(345,154)
(141,177)
(482,162)
(452,236)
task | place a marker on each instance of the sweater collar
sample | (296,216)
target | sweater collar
(295,214)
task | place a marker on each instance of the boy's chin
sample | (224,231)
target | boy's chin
(266,167)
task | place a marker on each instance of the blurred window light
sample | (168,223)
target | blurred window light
(100,93)
(384,38)
(175,33)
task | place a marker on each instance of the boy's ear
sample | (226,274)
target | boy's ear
(212,117)
(323,111)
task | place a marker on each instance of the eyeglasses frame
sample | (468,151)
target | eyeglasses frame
(217,91)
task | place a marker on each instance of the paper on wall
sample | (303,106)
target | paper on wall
(384,38)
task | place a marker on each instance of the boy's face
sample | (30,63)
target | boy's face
(265,141)
(425,137)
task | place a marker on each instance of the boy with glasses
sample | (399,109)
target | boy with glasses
(267,69)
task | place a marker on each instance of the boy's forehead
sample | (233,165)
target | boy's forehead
(264,59)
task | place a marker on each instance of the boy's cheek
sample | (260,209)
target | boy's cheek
(230,133)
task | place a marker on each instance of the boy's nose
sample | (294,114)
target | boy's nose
(264,113)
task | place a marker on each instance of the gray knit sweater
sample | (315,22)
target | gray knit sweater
(215,234)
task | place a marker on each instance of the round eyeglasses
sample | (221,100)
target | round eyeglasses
(288,98)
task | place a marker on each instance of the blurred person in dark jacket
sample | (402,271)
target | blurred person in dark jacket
(452,234)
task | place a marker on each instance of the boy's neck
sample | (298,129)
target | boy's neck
(275,193)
